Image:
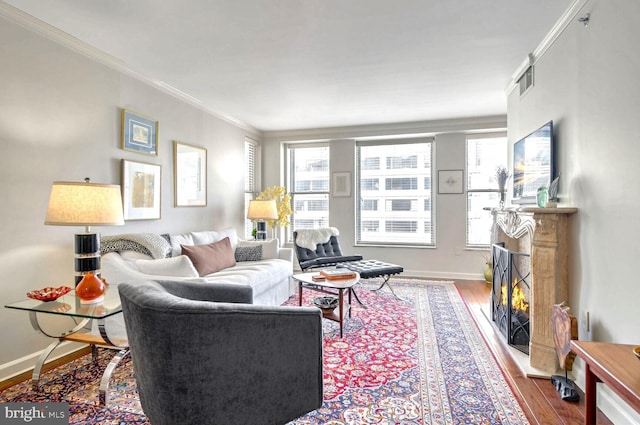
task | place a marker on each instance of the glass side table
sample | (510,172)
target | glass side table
(69,305)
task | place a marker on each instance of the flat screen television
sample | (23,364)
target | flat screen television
(533,164)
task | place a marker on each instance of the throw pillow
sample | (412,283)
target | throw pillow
(179,266)
(178,240)
(269,247)
(249,253)
(212,257)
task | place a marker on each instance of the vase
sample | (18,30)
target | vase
(488,273)
(502,198)
(91,289)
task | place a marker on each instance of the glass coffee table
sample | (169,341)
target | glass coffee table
(82,314)
(333,287)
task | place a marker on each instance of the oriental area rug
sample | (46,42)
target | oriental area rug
(419,360)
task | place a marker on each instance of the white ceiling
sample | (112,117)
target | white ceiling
(302,64)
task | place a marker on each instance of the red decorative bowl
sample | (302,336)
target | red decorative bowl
(49,293)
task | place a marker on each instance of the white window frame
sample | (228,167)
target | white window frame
(323,195)
(252,179)
(490,188)
(387,218)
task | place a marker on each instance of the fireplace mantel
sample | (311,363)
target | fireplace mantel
(543,234)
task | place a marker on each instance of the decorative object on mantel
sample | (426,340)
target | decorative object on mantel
(553,193)
(542,196)
(502,175)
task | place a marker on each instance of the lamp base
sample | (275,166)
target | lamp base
(261,230)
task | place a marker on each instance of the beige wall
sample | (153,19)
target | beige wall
(587,82)
(60,120)
(449,258)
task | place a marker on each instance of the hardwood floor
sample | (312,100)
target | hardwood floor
(538,397)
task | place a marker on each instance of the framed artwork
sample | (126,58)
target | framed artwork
(141,190)
(190,175)
(139,133)
(450,181)
(341,184)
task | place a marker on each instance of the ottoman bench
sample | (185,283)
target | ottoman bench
(374,268)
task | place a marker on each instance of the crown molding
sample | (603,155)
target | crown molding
(469,125)
(563,22)
(54,34)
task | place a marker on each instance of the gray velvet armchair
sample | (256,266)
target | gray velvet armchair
(202,354)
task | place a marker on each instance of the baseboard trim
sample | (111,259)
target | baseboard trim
(21,369)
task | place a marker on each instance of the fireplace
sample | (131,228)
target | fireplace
(538,237)
(511,294)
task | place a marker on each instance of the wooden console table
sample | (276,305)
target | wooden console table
(613,364)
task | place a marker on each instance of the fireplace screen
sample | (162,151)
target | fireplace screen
(510,295)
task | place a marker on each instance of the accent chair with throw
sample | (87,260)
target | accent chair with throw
(319,248)
(202,354)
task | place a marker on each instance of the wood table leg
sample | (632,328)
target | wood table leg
(299,293)
(340,301)
(590,397)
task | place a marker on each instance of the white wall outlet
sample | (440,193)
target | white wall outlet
(458,250)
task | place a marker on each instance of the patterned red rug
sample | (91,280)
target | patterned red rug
(419,361)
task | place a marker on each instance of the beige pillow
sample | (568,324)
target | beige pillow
(179,266)
(211,258)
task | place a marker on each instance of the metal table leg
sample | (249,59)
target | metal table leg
(386,282)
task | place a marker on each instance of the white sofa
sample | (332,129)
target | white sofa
(150,256)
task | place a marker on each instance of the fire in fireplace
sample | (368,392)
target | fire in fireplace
(510,295)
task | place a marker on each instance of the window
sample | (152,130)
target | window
(369,184)
(401,183)
(251,179)
(308,184)
(399,205)
(395,162)
(371,163)
(484,154)
(369,205)
(395,201)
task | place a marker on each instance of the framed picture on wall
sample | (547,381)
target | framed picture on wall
(139,133)
(190,175)
(141,190)
(341,184)
(450,181)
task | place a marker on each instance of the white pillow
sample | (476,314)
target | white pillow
(269,247)
(210,236)
(180,266)
(177,240)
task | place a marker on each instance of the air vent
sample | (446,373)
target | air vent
(526,80)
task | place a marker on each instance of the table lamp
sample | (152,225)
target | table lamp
(260,210)
(85,204)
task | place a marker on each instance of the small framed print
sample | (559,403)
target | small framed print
(139,133)
(140,190)
(190,175)
(450,181)
(341,184)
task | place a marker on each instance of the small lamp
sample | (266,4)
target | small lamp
(85,204)
(261,210)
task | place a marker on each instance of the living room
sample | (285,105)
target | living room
(61,121)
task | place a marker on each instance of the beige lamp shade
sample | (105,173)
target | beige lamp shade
(262,210)
(84,204)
